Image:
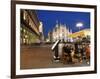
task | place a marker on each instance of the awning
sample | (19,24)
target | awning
(81,33)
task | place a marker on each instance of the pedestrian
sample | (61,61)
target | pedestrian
(72,54)
(65,54)
(88,54)
(69,48)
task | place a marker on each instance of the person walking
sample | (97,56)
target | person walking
(88,54)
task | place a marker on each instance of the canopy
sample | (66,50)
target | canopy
(81,33)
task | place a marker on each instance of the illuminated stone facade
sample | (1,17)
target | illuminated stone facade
(29,30)
(61,32)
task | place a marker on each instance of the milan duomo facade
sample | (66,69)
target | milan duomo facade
(60,32)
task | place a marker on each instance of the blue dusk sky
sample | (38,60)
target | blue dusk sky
(70,19)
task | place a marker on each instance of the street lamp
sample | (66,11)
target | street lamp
(79,25)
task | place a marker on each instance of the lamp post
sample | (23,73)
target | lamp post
(79,43)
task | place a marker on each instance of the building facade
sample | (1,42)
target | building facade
(29,30)
(41,30)
(61,32)
(84,34)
